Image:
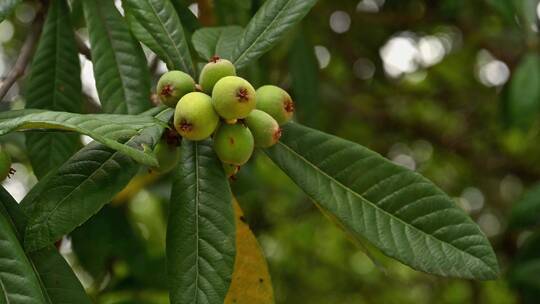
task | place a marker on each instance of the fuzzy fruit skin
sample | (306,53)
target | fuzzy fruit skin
(265,129)
(5,164)
(173,85)
(276,102)
(233,97)
(213,71)
(195,117)
(167,156)
(230,170)
(234,144)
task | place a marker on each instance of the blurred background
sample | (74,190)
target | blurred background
(448,88)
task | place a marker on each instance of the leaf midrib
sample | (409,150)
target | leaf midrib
(376,206)
(49,214)
(5,291)
(197,221)
(116,61)
(177,50)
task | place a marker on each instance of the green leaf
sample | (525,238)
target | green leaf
(59,283)
(160,21)
(142,34)
(201,228)
(105,128)
(189,21)
(524,92)
(91,242)
(304,70)
(506,8)
(54,84)
(526,212)
(267,27)
(242,11)
(19,281)
(122,75)
(67,198)
(221,41)
(397,210)
(7,7)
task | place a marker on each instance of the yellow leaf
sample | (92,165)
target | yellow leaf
(251,283)
(135,185)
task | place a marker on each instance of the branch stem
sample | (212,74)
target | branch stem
(26,53)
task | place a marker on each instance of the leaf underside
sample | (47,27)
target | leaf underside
(201,229)
(80,187)
(395,209)
(107,129)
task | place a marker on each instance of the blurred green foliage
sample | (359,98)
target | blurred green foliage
(449,88)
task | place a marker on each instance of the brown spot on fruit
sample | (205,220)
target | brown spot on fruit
(231,140)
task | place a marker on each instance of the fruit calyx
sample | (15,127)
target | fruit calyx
(242,95)
(214,59)
(171,137)
(277,134)
(288,105)
(166,91)
(186,126)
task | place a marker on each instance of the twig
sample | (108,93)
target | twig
(206,12)
(26,53)
(83,48)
